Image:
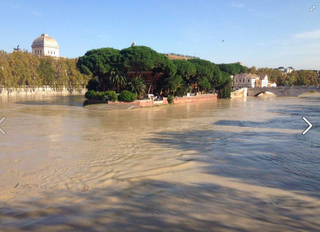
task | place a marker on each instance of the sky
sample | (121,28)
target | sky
(261,33)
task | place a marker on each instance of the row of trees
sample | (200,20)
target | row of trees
(300,77)
(175,77)
(24,69)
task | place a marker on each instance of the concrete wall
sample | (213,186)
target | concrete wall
(45,90)
(177,100)
(240,93)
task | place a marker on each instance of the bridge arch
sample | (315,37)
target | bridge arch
(266,92)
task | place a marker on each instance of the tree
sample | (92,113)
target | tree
(118,80)
(105,63)
(204,84)
(142,58)
(185,68)
(138,87)
(252,70)
(224,87)
(204,69)
(306,77)
(174,83)
(232,69)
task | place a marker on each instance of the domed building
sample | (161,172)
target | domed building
(46,46)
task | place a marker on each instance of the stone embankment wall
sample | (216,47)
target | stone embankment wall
(177,100)
(240,93)
(44,90)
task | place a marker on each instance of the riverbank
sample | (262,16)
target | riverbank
(43,90)
(148,103)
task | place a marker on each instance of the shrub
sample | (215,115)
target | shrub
(225,92)
(111,95)
(170,99)
(93,95)
(127,96)
(90,94)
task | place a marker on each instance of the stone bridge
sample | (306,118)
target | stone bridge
(285,91)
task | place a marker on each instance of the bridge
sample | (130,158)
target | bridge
(285,91)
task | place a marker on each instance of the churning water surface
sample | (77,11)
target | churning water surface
(222,165)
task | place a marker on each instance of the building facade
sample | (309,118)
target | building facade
(245,80)
(44,45)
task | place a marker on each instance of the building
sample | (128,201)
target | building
(44,45)
(289,70)
(286,70)
(246,80)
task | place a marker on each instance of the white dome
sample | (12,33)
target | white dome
(45,41)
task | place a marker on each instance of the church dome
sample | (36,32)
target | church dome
(45,41)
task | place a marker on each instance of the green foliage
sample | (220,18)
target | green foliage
(305,77)
(93,95)
(22,68)
(204,84)
(174,83)
(252,70)
(117,81)
(106,64)
(185,68)
(111,95)
(225,92)
(170,99)
(300,77)
(127,96)
(137,86)
(101,96)
(142,58)
(232,69)
(224,88)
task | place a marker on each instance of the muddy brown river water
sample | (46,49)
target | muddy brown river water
(222,165)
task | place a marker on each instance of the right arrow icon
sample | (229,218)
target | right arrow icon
(309,123)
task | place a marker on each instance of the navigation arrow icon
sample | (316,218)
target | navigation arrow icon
(309,123)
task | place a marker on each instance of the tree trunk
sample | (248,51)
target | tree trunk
(153,77)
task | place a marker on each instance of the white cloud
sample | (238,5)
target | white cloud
(237,5)
(308,35)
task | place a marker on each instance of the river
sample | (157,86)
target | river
(221,165)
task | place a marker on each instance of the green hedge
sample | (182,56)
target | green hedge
(101,96)
(93,95)
(111,95)
(127,96)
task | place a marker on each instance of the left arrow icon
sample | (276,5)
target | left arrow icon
(2,131)
(309,123)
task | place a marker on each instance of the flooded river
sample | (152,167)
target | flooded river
(222,165)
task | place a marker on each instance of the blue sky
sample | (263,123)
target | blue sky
(263,33)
